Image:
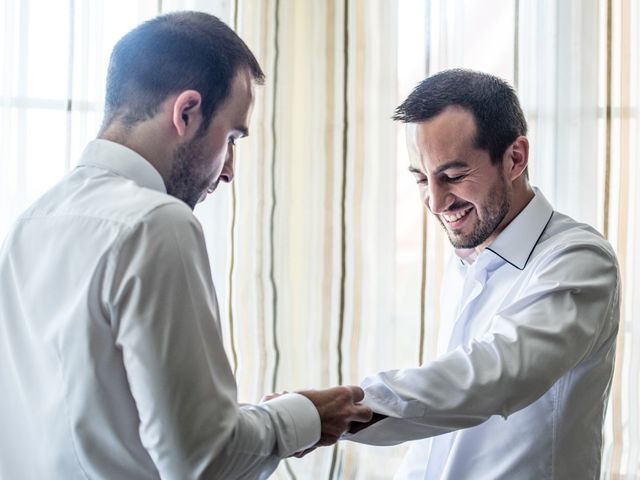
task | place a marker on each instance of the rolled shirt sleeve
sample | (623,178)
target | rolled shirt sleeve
(160,298)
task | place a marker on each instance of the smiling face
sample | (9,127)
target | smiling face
(202,162)
(470,196)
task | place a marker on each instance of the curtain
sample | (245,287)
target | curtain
(326,266)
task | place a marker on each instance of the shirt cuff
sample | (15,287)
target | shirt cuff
(298,421)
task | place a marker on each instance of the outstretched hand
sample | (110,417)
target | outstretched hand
(337,407)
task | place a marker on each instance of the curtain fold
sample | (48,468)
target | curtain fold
(312,206)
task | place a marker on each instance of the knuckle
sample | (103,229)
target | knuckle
(346,391)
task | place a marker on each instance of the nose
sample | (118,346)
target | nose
(228,168)
(438,197)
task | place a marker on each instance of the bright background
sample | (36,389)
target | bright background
(325,263)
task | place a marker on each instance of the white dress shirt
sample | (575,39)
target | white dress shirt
(111,358)
(528,341)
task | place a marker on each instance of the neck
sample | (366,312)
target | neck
(522,195)
(145,139)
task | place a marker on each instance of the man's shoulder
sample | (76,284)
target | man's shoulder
(108,198)
(143,205)
(564,234)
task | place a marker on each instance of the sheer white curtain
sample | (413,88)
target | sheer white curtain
(53,59)
(325,264)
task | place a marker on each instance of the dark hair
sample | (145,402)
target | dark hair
(492,101)
(171,53)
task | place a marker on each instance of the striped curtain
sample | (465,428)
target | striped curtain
(326,266)
(312,297)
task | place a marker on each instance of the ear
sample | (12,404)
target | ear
(187,114)
(517,157)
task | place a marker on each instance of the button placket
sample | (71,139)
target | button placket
(476,277)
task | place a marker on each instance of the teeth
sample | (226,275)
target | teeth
(457,216)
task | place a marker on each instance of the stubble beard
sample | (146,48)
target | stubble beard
(184,182)
(493,212)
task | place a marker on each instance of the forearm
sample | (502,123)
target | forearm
(263,435)
(531,342)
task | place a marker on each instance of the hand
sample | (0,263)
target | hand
(337,408)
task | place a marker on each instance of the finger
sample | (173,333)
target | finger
(361,414)
(357,393)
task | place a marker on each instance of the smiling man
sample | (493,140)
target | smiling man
(112,364)
(530,305)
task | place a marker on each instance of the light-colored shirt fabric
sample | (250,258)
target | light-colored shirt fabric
(528,340)
(111,357)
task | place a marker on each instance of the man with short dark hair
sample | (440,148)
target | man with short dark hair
(111,356)
(530,305)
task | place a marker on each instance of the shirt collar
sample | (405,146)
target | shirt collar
(467,256)
(517,241)
(122,161)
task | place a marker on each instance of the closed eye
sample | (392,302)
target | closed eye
(454,179)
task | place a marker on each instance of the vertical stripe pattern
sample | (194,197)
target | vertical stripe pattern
(343,212)
(272,219)
(232,246)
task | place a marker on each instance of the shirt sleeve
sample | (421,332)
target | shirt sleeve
(161,302)
(566,311)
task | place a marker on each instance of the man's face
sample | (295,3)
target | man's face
(458,183)
(201,163)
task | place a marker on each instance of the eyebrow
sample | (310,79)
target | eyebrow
(443,167)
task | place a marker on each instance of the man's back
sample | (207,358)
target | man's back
(66,383)
(110,347)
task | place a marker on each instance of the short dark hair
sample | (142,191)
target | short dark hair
(171,53)
(492,101)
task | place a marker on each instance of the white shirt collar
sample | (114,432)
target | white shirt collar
(122,161)
(516,242)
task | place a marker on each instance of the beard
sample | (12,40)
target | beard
(185,181)
(490,215)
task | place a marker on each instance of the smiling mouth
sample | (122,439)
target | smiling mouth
(456,217)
